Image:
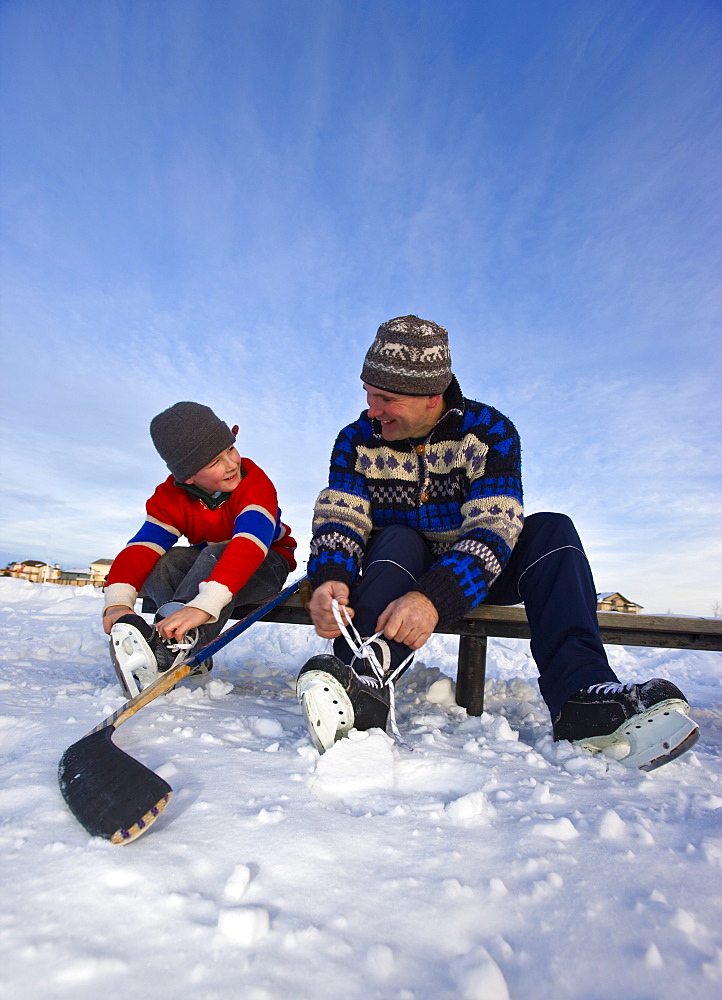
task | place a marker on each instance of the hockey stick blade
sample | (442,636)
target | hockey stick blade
(110,793)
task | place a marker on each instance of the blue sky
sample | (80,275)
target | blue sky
(221,201)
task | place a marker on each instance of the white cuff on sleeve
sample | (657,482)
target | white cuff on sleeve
(120,593)
(212,598)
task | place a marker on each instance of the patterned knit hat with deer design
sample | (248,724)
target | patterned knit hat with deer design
(409,356)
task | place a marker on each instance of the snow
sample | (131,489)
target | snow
(484,863)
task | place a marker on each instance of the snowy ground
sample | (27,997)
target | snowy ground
(487,863)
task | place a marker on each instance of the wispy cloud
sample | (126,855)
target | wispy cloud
(221,202)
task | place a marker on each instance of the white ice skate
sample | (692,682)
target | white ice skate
(639,725)
(134,661)
(649,739)
(327,707)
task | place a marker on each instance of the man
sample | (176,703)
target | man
(421,521)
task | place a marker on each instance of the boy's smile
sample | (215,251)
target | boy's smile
(221,475)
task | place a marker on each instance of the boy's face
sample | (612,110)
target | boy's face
(222,474)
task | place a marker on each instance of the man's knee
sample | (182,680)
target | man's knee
(399,546)
(397,537)
(548,524)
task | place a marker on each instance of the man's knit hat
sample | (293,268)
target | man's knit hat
(188,436)
(409,356)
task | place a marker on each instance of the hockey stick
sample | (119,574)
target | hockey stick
(109,792)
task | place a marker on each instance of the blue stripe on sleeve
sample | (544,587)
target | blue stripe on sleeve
(155,535)
(253,522)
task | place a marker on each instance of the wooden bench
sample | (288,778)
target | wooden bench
(488,621)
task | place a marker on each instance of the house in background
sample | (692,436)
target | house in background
(99,570)
(34,571)
(40,572)
(617,602)
(73,578)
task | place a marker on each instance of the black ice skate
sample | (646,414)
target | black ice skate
(139,653)
(640,725)
(335,699)
(131,649)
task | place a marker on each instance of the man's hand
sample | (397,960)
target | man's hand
(410,619)
(111,615)
(320,607)
(176,625)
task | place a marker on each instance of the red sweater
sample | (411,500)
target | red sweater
(249,521)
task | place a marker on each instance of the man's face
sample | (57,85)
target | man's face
(402,416)
(222,474)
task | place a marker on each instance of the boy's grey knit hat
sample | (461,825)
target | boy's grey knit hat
(188,436)
(409,356)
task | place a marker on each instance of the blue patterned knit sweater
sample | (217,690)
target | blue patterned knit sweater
(460,488)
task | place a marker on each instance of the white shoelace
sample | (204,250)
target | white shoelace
(610,687)
(181,646)
(362,650)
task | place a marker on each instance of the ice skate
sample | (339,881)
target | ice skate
(171,651)
(335,699)
(131,641)
(640,725)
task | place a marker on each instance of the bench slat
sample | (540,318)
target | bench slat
(665,631)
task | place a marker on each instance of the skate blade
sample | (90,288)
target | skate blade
(650,739)
(326,707)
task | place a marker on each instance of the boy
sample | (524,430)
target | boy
(240,550)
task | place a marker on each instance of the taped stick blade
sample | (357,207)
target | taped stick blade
(110,793)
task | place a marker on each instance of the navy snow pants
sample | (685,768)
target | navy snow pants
(548,571)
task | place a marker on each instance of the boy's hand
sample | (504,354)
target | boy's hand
(176,625)
(410,619)
(320,607)
(112,614)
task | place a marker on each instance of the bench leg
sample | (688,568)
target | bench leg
(471,673)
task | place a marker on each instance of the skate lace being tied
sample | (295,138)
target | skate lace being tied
(181,647)
(363,650)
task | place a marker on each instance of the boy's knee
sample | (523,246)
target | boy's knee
(214,550)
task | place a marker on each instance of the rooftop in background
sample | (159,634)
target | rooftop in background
(617,602)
